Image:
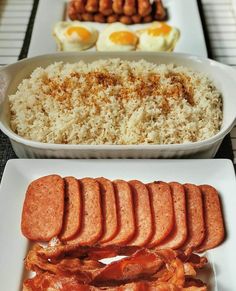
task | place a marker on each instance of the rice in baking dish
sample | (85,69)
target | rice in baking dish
(116,102)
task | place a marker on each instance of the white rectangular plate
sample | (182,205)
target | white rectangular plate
(19,173)
(183,14)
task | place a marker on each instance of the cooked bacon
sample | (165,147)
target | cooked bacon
(142,263)
(83,269)
(47,281)
(94,253)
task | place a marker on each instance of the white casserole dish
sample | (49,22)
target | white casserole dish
(223,76)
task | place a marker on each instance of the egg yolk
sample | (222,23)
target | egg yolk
(123,38)
(163,29)
(81,32)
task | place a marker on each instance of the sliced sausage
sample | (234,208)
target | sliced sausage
(213,219)
(179,233)
(195,216)
(72,210)
(43,208)
(110,222)
(163,212)
(125,211)
(143,214)
(91,229)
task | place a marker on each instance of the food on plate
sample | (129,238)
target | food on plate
(43,208)
(123,9)
(213,218)
(159,36)
(108,200)
(74,36)
(115,214)
(72,210)
(92,227)
(142,270)
(116,37)
(116,101)
(144,7)
(195,216)
(143,214)
(179,232)
(125,213)
(163,213)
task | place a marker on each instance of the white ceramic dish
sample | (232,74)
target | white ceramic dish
(223,76)
(19,173)
(183,14)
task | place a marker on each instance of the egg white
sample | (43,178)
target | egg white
(104,43)
(73,42)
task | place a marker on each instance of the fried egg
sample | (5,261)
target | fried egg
(117,37)
(74,36)
(158,37)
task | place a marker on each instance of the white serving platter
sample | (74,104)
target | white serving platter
(220,275)
(183,14)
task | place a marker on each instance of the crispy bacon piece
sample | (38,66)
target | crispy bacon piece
(47,281)
(96,253)
(141,264)
(83,269)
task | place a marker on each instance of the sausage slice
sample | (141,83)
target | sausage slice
(213,218)
(143,214)
(125,211)
(43,208)
(91,229)
(72,209)
(195,216)
(162,209)
(179,233)
(110,223)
